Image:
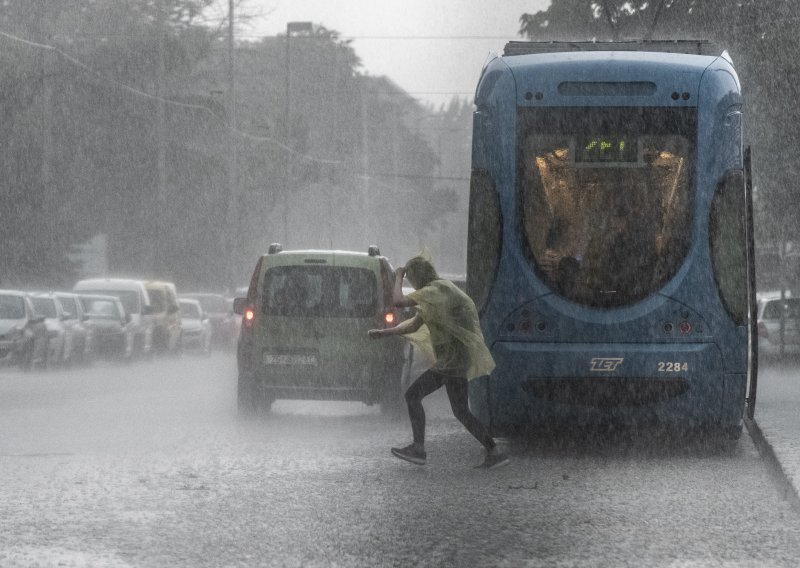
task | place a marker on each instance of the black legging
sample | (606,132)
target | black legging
(431,381)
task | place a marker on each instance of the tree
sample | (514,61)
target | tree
(761,37)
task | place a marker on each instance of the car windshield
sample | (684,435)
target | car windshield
(45,307)
(320,291)
(772,309)
(158,300)
(99,308)
(129,298)
(68,305)
(12,307)
(189,310)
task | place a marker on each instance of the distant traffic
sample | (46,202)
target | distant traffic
(115,319)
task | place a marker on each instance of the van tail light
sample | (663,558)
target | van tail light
(390,319)
(248,317)
(762,330)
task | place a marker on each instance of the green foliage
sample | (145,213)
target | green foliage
(762,38)
(84,111)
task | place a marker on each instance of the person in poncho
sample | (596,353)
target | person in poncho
(446,328)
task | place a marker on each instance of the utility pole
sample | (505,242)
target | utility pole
(365,198)
(46,242)
(232,223)
(158,263)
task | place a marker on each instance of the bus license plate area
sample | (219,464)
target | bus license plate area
(609,374)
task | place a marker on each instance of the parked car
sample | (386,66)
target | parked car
(304,332)
(196,330)
(59,344)
(74,320)
(135,300)
(165,313)
(770,310)
(111,327)
(23,333)
(221,317)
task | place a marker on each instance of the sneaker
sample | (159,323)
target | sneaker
(493,461)
(410,454)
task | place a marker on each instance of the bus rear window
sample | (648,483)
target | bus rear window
(606,198)
(320,291)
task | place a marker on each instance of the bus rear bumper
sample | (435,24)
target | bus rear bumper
(545,384)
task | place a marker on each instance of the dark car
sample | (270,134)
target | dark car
(23,333)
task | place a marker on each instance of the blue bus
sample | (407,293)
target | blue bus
(610,240)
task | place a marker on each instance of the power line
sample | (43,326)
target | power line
(190,106)
(171,102)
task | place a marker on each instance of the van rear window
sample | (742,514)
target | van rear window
(319,291)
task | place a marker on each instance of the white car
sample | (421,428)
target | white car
(79,334)
(195,327)
(112,329)
(771,309)
(136,301)
(59,342)
(23,334)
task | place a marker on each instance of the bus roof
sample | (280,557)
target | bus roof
(644,61)
(695,47)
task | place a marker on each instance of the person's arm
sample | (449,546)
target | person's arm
(408,326)
(398,299)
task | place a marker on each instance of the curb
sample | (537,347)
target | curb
(784,484)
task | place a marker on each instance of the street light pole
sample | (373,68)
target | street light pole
(158,262)
(233,193)
(291,27)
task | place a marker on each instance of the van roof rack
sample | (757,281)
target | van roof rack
(274,248)
(690,46)
(373,250)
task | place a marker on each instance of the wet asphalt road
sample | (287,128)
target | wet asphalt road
(149,465)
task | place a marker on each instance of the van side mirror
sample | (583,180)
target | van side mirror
(239,304)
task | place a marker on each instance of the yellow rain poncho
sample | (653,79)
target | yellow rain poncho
(451,335)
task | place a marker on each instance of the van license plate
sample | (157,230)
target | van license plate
(270,359)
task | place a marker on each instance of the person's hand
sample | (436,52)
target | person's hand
(375,333)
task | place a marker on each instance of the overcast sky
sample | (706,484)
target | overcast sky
(433,49)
